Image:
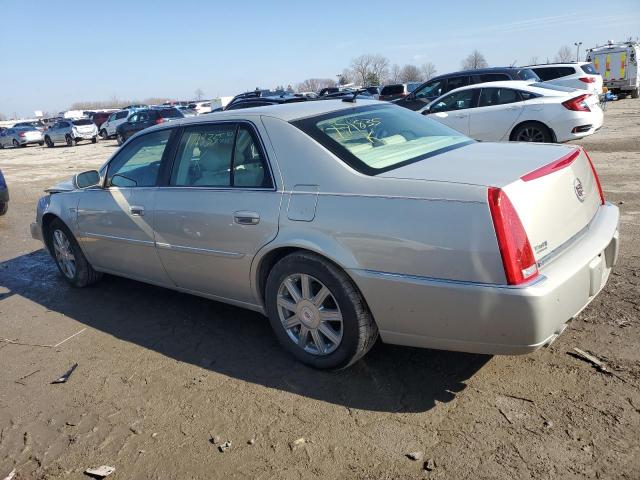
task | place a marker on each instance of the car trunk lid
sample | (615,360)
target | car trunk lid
(552,188)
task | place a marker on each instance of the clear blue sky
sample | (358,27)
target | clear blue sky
(57,52)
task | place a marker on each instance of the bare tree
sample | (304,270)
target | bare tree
(394,73)
(410,73)
(315,84)
(199,94)
(533,60)
(346,76)
(370,69)
(564,55)
(428,71)
(474,60)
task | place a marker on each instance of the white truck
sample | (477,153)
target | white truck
(618,65)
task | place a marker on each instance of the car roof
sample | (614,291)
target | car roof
(479,71)
(516,84)
(561,64)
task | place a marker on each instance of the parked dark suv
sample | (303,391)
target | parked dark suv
(437,86)
(261,98)
(144,119)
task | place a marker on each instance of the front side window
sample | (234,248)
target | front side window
(498,96)
(133,118)
(432,89)
(494,77)
(377,138)
(121,115)
(138,163)
(456,101)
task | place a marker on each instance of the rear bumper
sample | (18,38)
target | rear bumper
(494,319)
(564,130)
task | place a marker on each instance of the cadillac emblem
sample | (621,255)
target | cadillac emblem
(579,189)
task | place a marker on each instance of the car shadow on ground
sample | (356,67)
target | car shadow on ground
(239,343)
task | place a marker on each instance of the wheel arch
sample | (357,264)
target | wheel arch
(47,219)
(519,124)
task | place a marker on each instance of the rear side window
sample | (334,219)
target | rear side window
(377,138)
(527,74)
(494,77)
(170,113)
(121,115)
(412,86)
(589,68)
(457,82)
(392,90)
(498,96)
(84,121)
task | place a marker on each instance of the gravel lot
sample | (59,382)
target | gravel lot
(162,373)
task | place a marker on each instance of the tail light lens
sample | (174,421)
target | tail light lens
(517,257)
(587,79)
(595,176)
(159,120)
(577,104)
(21,134)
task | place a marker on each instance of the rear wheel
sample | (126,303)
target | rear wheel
(635,93)
(532,132)
(120,139)
(15,143)
(103,134)
(41,144)
(317,313)
(69,258)
(48,141)
(4,206)
(69,140)
(94,139)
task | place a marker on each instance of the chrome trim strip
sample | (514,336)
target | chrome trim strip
(559,250)
(202,251)
(121,239)
(462,283)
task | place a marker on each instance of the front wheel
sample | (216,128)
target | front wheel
(4,206)
(635,93)
(48,141)
(69,140)
(71,262)
(94,140)
(317,313)
(120,139)
(103,134)
(532,132)
(15,143)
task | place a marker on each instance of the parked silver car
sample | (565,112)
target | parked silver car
(344,219)
(20,137)
(71,132)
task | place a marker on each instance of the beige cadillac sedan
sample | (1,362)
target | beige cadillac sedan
(345,220)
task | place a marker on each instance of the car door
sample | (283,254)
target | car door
(497,112)
(54,132)
(3,137)
(457,82)
(115,222)
(219,208)
(453,109)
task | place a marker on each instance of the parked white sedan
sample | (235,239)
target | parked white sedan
(518,111)
(340,220)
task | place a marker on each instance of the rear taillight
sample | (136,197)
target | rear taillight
(21,134)
(517,257)
(595,176)
(577,104)
(587,79)
(559,164)
(159,120)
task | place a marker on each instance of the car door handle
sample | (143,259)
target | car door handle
(136,210)
(244,217)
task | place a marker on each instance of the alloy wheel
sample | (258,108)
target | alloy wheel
(64,254)
(531,134)
(310,314)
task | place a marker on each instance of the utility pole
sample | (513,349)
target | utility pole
(577,44)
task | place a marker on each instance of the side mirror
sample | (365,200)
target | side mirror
(87,179)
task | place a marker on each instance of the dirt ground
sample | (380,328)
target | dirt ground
(160,374)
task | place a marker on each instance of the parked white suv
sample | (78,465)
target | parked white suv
(582,75)
(108,128)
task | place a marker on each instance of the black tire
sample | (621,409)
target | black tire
(94,140)
(4,206)
(531,132)
(84,274)
(103,134)
(120,138)
(69,140)
(41,144)
(635,93)
(359,330)
(15,143)
(1,146)
(48,141)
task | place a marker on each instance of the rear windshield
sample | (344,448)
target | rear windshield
(392,90)
(412,86)
(81,122)
(589,68)
(551,86)
(170,113)
(528,74)
(377,138)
